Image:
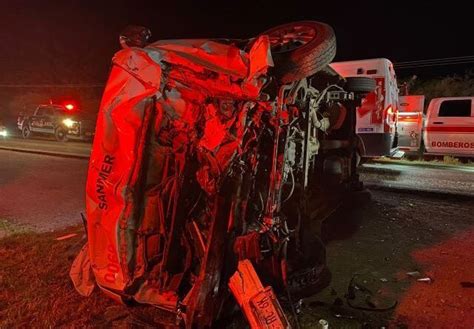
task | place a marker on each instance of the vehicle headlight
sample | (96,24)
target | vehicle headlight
(69,123)
(3,133)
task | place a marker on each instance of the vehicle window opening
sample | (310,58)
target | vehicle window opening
(455,108)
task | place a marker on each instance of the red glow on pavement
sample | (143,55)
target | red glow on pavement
(443,303)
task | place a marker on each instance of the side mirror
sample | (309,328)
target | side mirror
(134,36)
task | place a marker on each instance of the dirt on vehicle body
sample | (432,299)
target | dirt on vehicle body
(213,165)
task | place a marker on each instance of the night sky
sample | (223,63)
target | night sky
(72,41)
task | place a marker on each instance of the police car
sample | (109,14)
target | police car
(64,122)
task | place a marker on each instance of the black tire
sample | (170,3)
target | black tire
(60,134)
(298,59)
(308,273)
(134,36)
(26,132)
(360,84)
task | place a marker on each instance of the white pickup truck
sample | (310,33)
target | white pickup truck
(447,128)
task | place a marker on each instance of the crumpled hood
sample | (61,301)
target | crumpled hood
(152,102)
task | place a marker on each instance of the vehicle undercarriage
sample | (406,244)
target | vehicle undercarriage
(214,164)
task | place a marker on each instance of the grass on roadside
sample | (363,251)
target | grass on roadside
(35,289)
(8,228)
(446,160)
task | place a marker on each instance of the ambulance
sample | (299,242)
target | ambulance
(376,120)
(449,127)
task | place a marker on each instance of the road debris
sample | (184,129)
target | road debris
(323,324)
(298,307)
(65,237)
(362,298)
(344,315)
(414,274)
(426,280)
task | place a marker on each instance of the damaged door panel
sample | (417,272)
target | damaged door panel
(213,161)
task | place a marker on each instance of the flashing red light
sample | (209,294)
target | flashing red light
(69,107)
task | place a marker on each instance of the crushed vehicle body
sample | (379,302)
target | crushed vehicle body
(213,164)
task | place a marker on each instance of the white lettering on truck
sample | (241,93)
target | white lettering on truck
(457,145)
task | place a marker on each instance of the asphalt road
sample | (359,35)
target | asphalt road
(379,243)
(444,179)
(46,146)
(45,192)
(41,192)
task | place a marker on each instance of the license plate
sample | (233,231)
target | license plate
(268,311)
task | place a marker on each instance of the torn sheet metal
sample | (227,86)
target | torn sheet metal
(259,304)
(81,273)
(155,102)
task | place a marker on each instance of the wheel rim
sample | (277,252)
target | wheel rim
(26,132)
(291,37)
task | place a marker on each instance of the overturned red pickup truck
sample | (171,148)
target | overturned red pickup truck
(213,165)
